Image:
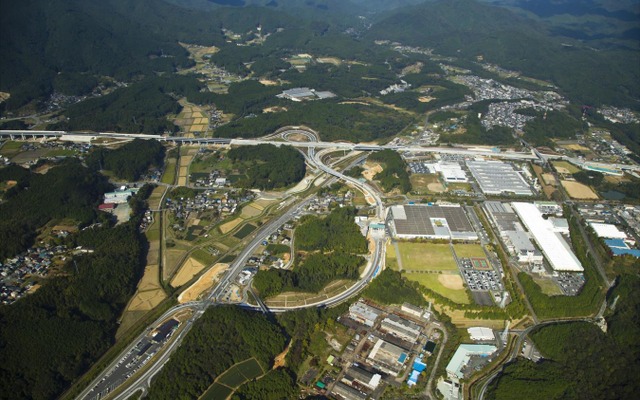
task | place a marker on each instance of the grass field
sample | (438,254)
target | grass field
(565,167)
(426,257)
(547,286)
(469,251)
(390,257)
(435,283)
(577,190)
(203,256)
(169,174)
(245,231)
(216,391)
(227,259)
(426,183)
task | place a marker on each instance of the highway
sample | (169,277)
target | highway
(117,373)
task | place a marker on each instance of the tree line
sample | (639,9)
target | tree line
(268,167)
(130,161)
(49,338)
(394,173)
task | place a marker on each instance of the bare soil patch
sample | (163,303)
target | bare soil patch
(205,282)
(188,270)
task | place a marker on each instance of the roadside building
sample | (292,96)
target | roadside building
(481,334)
(462,356)
(364,313)
(451,172)
(165,330)
(400,327)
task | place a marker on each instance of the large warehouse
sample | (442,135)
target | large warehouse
(497,177)
(430,222)
(553,246)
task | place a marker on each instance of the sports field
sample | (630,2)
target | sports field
(469,251)
(426,257)
(448,285)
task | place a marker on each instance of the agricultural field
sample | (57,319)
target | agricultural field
(245,231)
(217,391)
(577,190)
(240,373)
(449,285)
(169,175)
(469,251)
(426,257)
(192,119)
(148,296)
(190,268)
(231,225)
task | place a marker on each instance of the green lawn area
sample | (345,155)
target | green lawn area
(469,251)
(547,286)
(153,233)
(391,260)
(459,186)
(432,281)
(169,175)
(10,148)
(245,231)
(216,392)
(426,257)
(567,165)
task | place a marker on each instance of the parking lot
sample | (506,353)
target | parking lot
(570,283)
(482,280)
(418,168)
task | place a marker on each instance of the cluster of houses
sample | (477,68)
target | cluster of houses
(208,200)
(213,180)
(328,201)
(15,272)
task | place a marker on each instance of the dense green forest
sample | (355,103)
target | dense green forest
(66,191)
(279,384)
(390,287)
(269,167)
(580,361)
(394,171)
(222,337)
(332,244)
(556,124)
(123,39)
(467,29)
(130,161)
(334,121)
(337,231)
(51,337)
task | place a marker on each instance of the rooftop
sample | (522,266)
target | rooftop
(496,177)
(440,221)
(552,244)
(463,354)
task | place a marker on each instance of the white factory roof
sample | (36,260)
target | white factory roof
(608,231)
(480,333)
(463,354)
(552,244)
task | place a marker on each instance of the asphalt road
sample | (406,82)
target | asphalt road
(117,373)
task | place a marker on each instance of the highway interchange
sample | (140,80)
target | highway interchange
(129,374)
(138,376)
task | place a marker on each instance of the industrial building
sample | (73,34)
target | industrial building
(412,310)
(619,247)
(608,231)
(519,244)
(497,177)
(362,377)
(481,334)
(347,392)
(553,245)
(304,93)
(119,196)
(502,216)
(462,357)
(364,313)
(400,327)
(451,172)
(430,222)
(387,357)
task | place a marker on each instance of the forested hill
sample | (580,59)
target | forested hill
(469,29)
(124,39)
